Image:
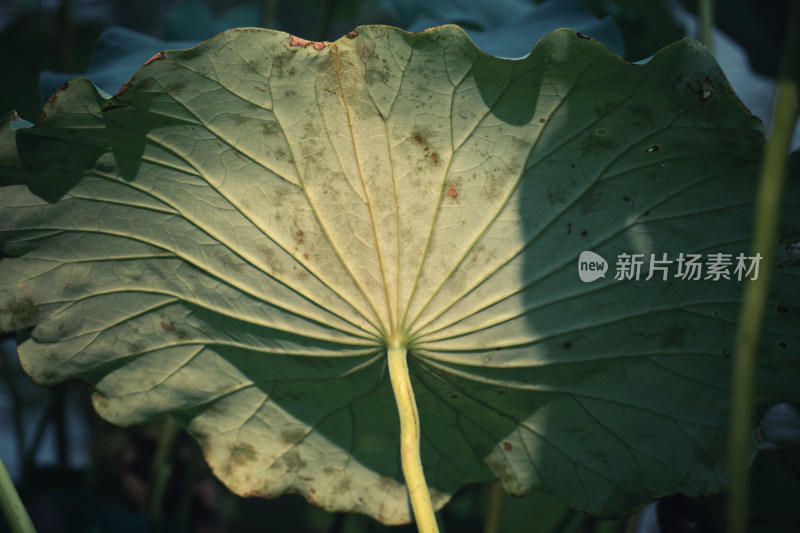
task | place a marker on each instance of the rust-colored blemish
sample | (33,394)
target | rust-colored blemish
(433,156)
(299,41)
(507,446)
(256,494)
(300,236)
(52,99)
(418,139)
(305,256)
(167,326)
(158,57)
(127,85)
(352,35)
(260,90)
(451,191)
(53,96)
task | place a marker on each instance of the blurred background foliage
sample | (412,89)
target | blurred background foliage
(77,473)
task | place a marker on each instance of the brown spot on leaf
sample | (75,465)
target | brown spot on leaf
(158,57)
(451,192)
(299,41)
(702,88)
(55,94)
(168,326)
(352,35)
(127,85)
(256,494)
(243,454)
(293,436)
(676,335)
(507,446)
(50,375)
(292,461)
(24,311)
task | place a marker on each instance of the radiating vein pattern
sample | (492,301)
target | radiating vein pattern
(239,233)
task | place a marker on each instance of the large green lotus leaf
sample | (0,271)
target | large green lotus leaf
(237,236)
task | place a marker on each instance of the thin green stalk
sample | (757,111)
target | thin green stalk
(409,441)
(707,24)
(268,8)
(161,470)
(774,167)
(11,505)
(187,484)
(16,405)
(494,512)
